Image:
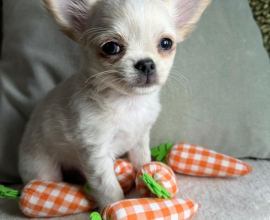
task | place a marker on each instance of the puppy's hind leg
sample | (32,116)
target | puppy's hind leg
(41,167)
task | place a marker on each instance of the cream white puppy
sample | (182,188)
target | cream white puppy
(109,107)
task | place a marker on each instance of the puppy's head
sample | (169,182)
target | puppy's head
(129,45)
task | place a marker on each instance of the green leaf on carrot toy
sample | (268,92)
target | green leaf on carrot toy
(9,193)
(161,152)
(87,188)
(155,188)
(95,216)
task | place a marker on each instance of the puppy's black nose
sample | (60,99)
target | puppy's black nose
(146,67)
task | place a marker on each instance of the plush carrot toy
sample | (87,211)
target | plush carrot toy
(53,198)
(50,199)
(125,174)
(153,175)
(153,180)
(148,209)
(199,161)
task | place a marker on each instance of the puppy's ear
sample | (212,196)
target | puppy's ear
(186,13)
(71,15)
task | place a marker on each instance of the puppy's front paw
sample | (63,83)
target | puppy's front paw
(109,196)
(138,162)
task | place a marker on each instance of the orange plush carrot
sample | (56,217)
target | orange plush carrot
(199,161)
(125,174)
(161,174)
(149,209)
(53,198)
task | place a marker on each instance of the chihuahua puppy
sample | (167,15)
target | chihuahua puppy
(108,108)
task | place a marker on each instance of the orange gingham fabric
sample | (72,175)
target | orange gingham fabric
(52,198)
(125,174)
(151,209)
(199,161)
(160,172)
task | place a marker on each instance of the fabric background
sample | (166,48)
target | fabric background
(224,61)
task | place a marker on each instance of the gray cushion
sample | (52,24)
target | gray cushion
(226,104)
(224,61)
(36,57)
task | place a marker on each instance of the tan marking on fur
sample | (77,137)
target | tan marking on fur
(167,54)
(112,59)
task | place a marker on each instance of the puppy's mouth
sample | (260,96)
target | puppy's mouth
(134,84)
(146,81)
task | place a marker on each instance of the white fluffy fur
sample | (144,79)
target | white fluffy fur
(98,114)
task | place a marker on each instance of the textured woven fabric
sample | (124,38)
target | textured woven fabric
(261,12)
(160,172)
(151,209)
(199,161)
(125,174)
(51,198)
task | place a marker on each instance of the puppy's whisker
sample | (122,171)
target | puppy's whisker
(96,29)
(77,93)
(174,86)
(189,92)
(178,80)
(112,65)
(110,83)
(87,84)
(99,74)
(91,30)
(99,83)
(186,80)
(92,33)
(170,86)
(119,82)
(99,36)
(98,90)
(175,80)
(99,33)
(82,35)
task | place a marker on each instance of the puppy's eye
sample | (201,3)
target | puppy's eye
(166,44)
(111,48)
